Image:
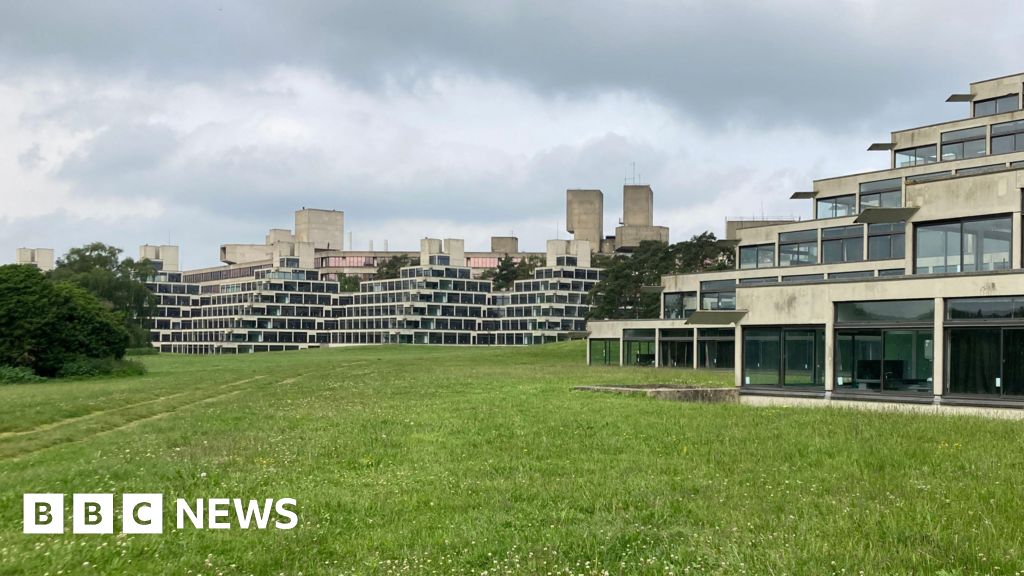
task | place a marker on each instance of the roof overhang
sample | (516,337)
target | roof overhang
(960,98)
(877,146)
(716,317)
(803,195)
(884,215)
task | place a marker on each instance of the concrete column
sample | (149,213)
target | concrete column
(588,351)
(738,361)
(696,350)
(622,350)
(657,348)
(1015,251)
(908,249)
(939,349)
(830,351)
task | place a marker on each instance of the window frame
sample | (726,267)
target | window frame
(834,204)
(961,222)
(846,235)
(782,244)
(934,155)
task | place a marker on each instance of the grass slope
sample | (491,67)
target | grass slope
(430,460)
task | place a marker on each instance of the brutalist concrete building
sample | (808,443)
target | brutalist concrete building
(905,286)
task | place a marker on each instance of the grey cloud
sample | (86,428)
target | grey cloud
(793,61)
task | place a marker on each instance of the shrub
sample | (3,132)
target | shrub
(143,351)
(18,375)
(46,324)
(85,367)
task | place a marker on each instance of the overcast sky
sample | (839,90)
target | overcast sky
(206,122)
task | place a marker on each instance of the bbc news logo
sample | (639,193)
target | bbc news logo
(144,513)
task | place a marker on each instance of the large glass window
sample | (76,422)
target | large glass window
(677,348)
(1008,137)
(986,346)
(638,347)
(882,360)
(761,256)
(915,156)
(966,246)
(886,241)
(886,311)
(1007,103)
(798,248)
(717,348)
(842,244)
(787,357)
(604,351)
(679,305)
(718,295)
(966,143)
(837,207)
(882,193)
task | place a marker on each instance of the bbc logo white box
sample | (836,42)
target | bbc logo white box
(43,513)
(92,513)
(142,513)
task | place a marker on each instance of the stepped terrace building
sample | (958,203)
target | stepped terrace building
(906,286)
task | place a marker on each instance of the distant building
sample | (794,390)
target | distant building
(41,258)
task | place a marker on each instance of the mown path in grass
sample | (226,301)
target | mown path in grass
(455,460)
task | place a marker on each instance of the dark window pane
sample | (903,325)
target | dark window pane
(986,244)
(886,311)
(881,185)
(985,108)
(965,134)
(968,308)
(1007,103)
(800,236)
(974,148)
(974,359)
(938,249)
(762,352)
(1002,144)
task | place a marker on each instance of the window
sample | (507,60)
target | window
(884,360)
(929,177)
(604,351)
(850,275)
(886,241)
(966,143)
(786,357)
(677,348)
(886,311)
(798,248)
(759,280)
(915,156)
(797,278)
(718,295)
(977,245)
(762,256)
(882,193)
(717,347)
(999,105)
(837,207)
(566,261)
(987,169)
(842,244)
(638,347)
(1008,137)
(680,305)
(986,346)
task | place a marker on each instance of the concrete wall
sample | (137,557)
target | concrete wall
(42,258)
(584,215)
(627,237)
(166,254)
(325,229)
(279,235)
(456,250)
(637,205)
(241,253)
(504,244)
(581,249)
(304,251)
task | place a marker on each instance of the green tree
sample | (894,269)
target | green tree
(526,266)
(47,324)
(348,283)
(391,267)
(504,275)
(621,293)
(120,283)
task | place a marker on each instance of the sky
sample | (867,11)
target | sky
(200,123)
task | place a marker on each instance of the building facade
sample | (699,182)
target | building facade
(907,285)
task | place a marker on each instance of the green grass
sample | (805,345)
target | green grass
(431,460)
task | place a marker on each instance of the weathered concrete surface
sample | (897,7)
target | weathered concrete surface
(677,393)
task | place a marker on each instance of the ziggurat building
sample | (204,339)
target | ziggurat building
(907,285)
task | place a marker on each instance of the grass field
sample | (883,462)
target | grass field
(426,460)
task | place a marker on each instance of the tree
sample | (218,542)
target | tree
(348,283)
(391,267)
(620,294)
(504,275)
(526,266)
(99,269)
(47,324)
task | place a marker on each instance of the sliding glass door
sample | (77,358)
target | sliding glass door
(774,356)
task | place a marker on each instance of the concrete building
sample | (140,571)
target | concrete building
(281,304)
(164,258)
(41,258)
(906,286)
(584,211)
